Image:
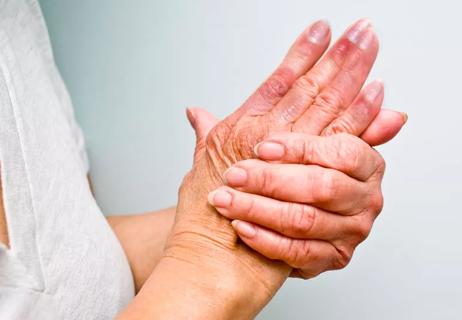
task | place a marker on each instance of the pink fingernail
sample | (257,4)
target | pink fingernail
(269,150)
(220,198)
(244,229)
(366,39)
(235,177)
(318,31)
(355,32)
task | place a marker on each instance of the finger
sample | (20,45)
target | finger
(325,188)
(342,152)
(360,113)
(293,220)
(301,57)
(202,121)
(305,90)
(385,127)
(341,91)
(311,256)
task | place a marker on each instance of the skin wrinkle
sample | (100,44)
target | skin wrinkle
(242,131)
(286,215)
(310,89)
(274,88)
(343,72)
(251,208)
(308,219)
(354,235)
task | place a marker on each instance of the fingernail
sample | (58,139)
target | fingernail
(374,89)
(244,229)
(318,31)
(269,150)
(366,39)
(355,32)
(235,177)
(220,198)
(405,117)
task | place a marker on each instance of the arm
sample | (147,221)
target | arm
(205,271)
(143,238)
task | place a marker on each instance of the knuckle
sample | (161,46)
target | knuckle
(348,152)
(304,274)
(297,252)
(250,210)
(329,101)
(298,219)
(338,53)
(363,229)
(275,87)
(292,112)
(339,126)
(265,183)
(377,203)
(307,151)
(307,85)
(380,164)
(243,137)
(308,274)
(342,258)
(285,219)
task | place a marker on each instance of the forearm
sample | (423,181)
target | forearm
(194,281)
(143,237)
(178,290)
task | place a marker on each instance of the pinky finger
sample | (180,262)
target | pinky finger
(385,127)
(310,257)
(360,114)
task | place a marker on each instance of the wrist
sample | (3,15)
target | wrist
(204,264)
(221,267)
(205,292)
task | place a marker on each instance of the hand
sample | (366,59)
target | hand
(312,212)
(300,96)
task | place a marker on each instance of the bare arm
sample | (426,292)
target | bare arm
(143,237)
(205,272)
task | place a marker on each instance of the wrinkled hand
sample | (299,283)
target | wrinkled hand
(301,98)
(302,95)
(312,212)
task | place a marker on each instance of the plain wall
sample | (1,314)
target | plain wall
(133,66)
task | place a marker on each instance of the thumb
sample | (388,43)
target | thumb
(202,122)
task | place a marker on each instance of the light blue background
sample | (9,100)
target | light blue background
(133,66)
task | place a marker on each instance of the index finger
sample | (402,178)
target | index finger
(342,152)
(301,57)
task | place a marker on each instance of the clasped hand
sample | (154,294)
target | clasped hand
(313,195)
(313,210)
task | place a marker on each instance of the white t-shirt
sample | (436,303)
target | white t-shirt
(64,262)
